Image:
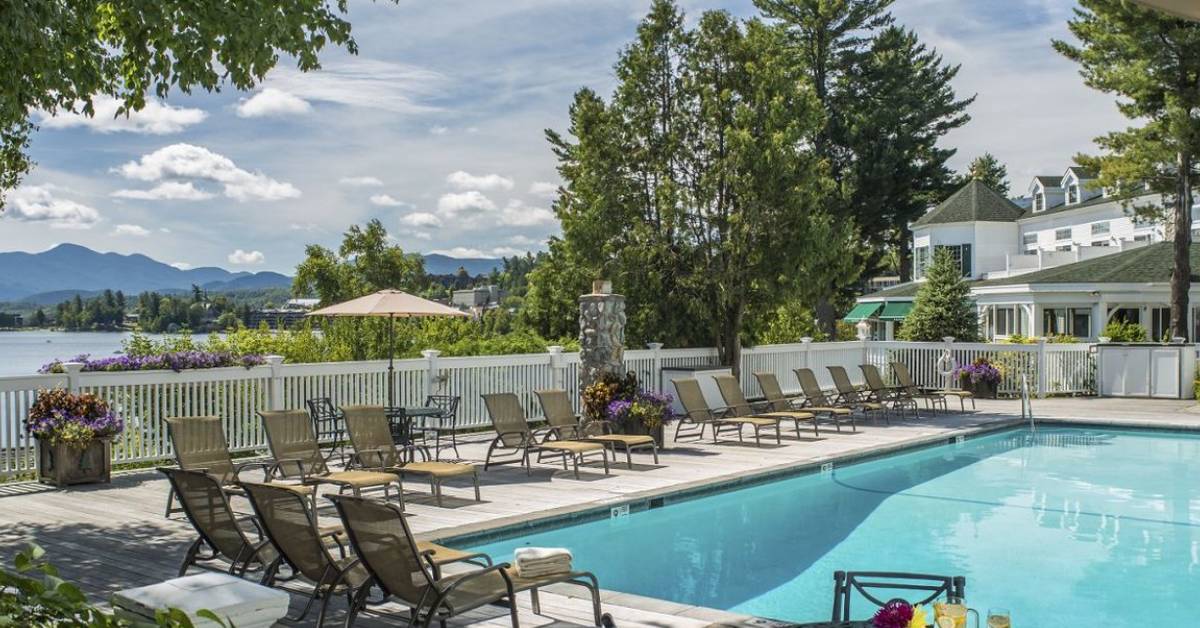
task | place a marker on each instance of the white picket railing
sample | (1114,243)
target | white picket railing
(145,398)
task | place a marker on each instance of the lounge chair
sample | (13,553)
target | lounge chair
(298,456)
(207,508)
(866,583)
(697,412)
(564,425)
(883,393)
(816,402)
(402,570)
(200,445)
(513,437)
(374,450)
(776,401)
(739,406)
(906,380)
(849,395)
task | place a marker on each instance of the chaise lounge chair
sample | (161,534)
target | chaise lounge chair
(883,393)
(697,412)
(816,402)
(849,395)
(200,445)
(778,402)
(374,450)
(513,437)
(739,406)
(565,425)
(905,378)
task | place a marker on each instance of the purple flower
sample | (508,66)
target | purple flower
(175,361)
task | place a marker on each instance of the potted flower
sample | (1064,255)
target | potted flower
(980,377)
(632,410)
(74,434)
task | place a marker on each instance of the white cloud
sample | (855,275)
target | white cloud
(421,219)
(38,203)
(421,235)
(272,102)
(359,82)
(386,200)
(167,191)
(136,231)
(182,265)
(360,182)
(524,240)
(154,119)
(246,258)
(543,189)
(461,252)
(451,205)
(507,251)
(518,214)
(467,181)
(439,130)
(306,226)
(196,162)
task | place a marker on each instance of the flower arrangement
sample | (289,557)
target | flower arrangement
(602,392)
(899,614)
(175,361)
(620,400)
(61,417)
(981,370)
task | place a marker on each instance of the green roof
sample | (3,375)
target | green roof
(895,310)
(862,311)
(1148,264)
(974,201)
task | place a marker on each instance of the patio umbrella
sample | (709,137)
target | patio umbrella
(392,304)
(1189,9)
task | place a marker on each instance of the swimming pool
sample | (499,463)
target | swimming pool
(1071,526)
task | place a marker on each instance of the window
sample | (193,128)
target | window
(920,261)
(1073,321)
(1007,320)
(1100,228)
(1039,202)
(1101,243)
(1062,234)
(1143,237)
(1066,248)
(1160,323)
(1072,194)
(1029,240)
(961,254)
(1127,314)
(1081,322)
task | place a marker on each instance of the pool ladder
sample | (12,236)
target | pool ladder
(1026,404)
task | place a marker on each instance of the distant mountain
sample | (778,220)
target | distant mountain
(438,264)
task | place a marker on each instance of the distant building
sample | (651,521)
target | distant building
(292,313)
(480,298)
(11,320)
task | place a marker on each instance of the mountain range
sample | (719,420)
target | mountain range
(67,269)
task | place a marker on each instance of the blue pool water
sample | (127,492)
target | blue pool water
(1078,527)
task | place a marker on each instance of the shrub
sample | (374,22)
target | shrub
(175,361)
(609,388)
(1123,331)
(942,306)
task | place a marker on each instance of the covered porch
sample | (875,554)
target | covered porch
(1082,311)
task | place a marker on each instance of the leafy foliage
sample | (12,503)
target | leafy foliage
(365,262)
(103,312)
(1124,331)
(942,306)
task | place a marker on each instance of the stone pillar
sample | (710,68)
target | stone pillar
(601,334)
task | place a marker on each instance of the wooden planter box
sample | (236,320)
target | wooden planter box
(63,465)
(981,390)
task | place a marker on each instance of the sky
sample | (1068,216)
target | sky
(436,128)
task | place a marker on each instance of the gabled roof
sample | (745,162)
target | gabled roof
(1049,181)
(973,202)
(1092,202)
(1148,264)
(1080,172)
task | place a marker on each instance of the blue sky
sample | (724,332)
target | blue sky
(436,128)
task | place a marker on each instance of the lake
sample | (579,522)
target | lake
(24,352)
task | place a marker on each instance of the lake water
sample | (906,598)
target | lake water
(24,352)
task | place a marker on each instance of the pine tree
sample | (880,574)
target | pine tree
(987,169)
(943,305)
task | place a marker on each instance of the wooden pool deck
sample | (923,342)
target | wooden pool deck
(112,537)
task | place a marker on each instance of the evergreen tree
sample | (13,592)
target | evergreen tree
(943,304)
(1151,62)
(987,169)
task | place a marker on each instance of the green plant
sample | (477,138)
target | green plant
(942,306)
(610,387)
(61,417)
(1124,331)
(1021,339)
(1062,339)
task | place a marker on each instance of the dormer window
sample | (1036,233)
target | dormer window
(1073,194)
(1039,202)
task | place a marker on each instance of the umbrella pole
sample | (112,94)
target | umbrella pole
(391,363)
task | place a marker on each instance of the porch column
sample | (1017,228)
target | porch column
(1099,318)
(1036,328)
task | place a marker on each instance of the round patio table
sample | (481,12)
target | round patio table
(401,419)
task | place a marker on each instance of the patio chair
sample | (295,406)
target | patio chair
(371,437)
(933,398)
(328,425)
(739,406)
(200,445)
(816,402)
(868,583)
(513,437)
(207,508)
(291,526)
(776,401)
(298,456)
(850,395)
(447,423)
(883,393)
(698,412)
(402,570)
(905,378)
(564,425)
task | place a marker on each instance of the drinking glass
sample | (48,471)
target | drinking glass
(998,618)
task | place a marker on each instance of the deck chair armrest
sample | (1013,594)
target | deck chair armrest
(265,466)
(501,568)
(252,520)
(560,432)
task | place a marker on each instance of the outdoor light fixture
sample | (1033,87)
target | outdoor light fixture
(863,328)
(1189,9)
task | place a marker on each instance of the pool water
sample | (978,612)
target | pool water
(1070,527)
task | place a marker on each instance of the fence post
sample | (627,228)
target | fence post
(656,364)
(557,378)
(806,344)
(275,386)
(1043,377)
(431,369)
(73,370)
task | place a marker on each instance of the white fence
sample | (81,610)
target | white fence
(145,398)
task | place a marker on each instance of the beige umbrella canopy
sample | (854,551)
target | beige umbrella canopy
(392,304)
(1189,9)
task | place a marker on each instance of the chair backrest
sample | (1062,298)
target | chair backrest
(873,378)
(811,387)
(556,407)
(448,404)
(321,408)
(370,430)
(881,587)
(841,381)
(382,539)
(692,399)
(208,510)
(508,418)
(291,527)
(772,391)
(903,376)
(199,443)
(326,420)
(731,392)
(290,437)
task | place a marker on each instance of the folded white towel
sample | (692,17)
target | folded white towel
(525,571)
(523,554)
(537,562)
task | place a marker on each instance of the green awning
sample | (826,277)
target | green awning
(862,311)
(895,311)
